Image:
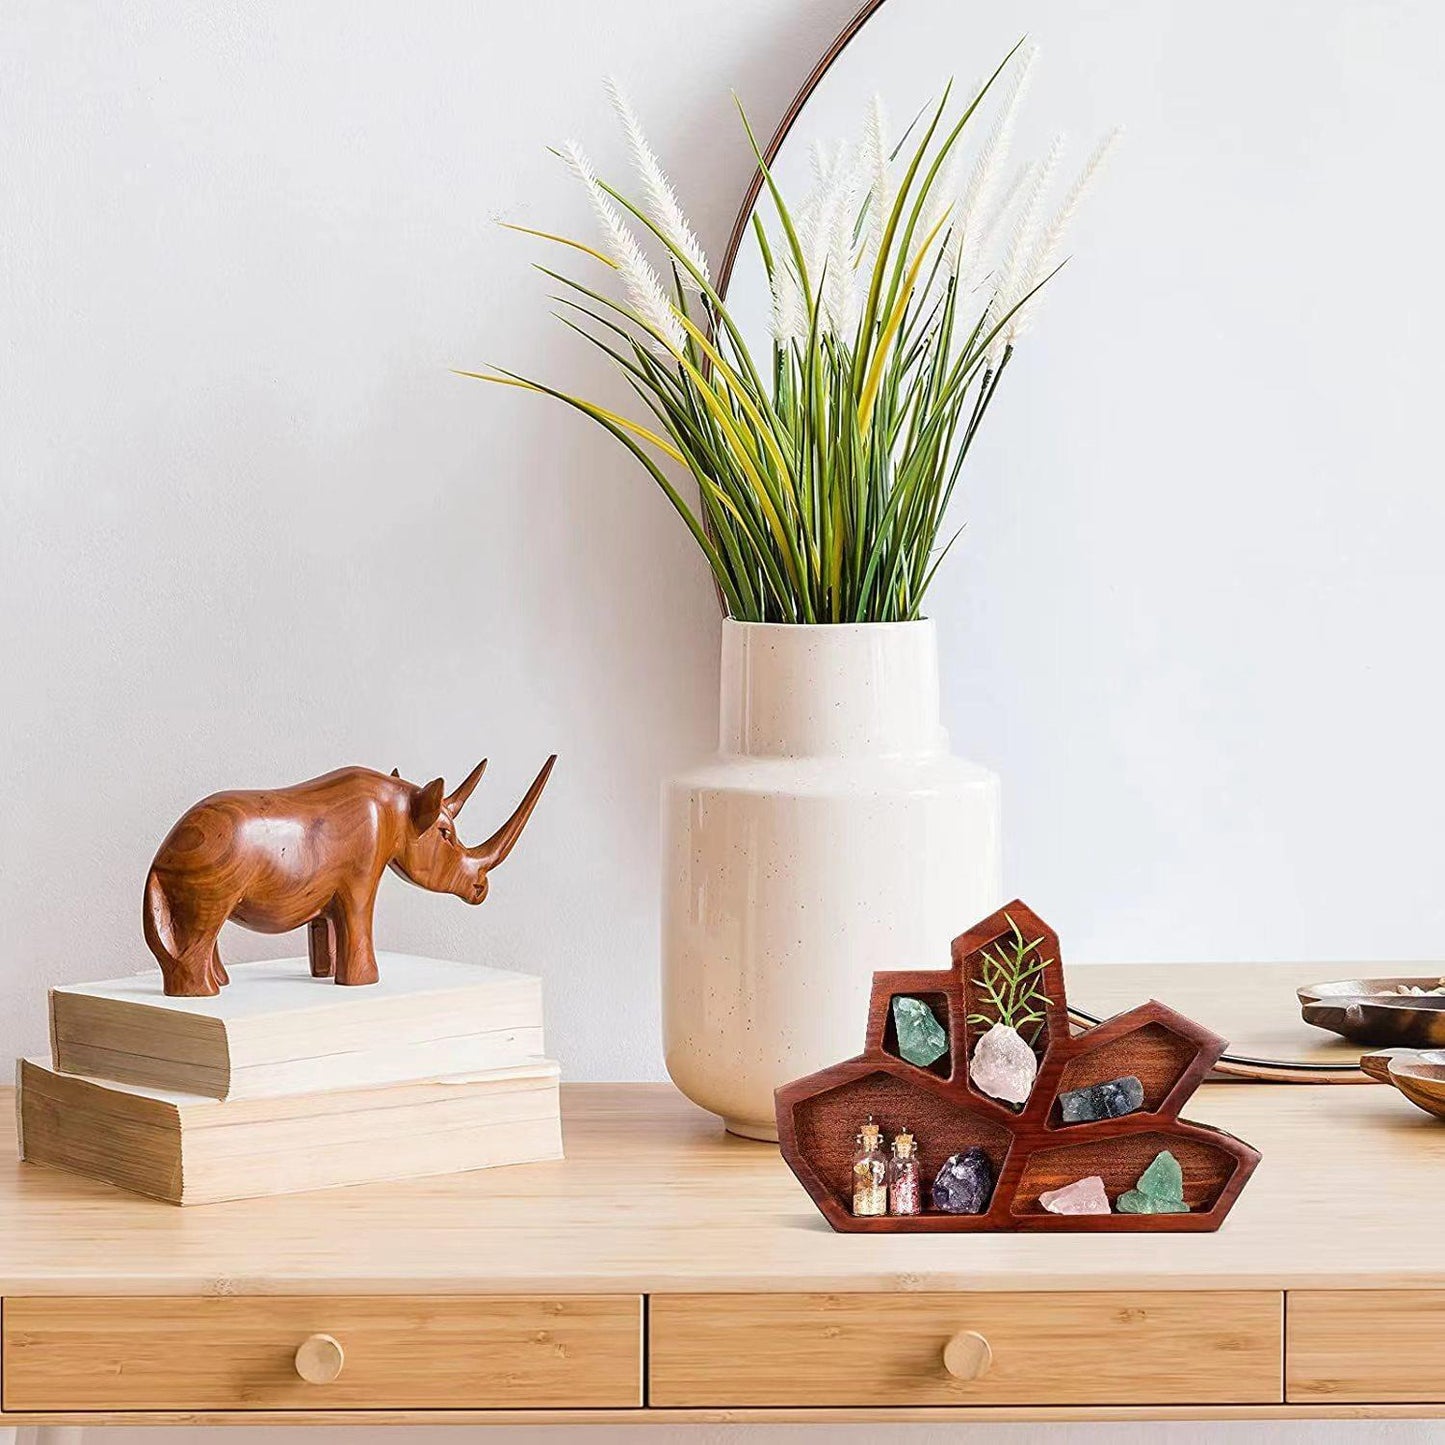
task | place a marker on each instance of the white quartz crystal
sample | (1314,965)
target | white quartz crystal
(1003,1065)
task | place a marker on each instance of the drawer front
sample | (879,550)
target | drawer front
(392,1352)
(1216,1347)
(1367,1346)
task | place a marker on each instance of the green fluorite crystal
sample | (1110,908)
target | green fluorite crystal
(1160,1189)
(921,1038)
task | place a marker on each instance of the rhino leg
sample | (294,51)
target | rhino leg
(355,957)
(184,946)
(218,969)
(190,975)
(321,946)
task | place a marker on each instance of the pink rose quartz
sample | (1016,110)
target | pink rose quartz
(1083,1196)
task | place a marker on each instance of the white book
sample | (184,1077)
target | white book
(274,1029)
(188,1149)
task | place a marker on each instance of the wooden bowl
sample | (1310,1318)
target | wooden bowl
(1419,1074)
(1368,1011)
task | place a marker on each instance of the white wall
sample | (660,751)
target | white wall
(252,528)
(1191,617)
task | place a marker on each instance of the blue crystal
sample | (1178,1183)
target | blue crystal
(1108,1100)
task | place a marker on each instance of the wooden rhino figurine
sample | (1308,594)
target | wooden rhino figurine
(311,854)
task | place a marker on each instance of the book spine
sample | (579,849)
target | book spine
(19,1112)
(61,1129)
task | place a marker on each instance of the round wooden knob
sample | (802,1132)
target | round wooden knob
(967,1356)
(319,1359)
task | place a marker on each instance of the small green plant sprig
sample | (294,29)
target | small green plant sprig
(1009,977)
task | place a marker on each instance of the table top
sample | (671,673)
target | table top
(653,1197)
(1253,1005)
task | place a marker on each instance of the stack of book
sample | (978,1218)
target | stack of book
(286,1082)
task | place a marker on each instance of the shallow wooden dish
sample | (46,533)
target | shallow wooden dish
(1030,1149)
(1419,1074)
(1365,1011)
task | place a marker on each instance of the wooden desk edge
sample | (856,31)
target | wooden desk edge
(913,1282)
(843,1414)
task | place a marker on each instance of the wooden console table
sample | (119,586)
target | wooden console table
(666,1270)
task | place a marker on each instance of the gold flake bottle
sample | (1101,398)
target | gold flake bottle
(870,1172)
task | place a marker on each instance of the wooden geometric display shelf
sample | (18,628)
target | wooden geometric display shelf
(1030,1148)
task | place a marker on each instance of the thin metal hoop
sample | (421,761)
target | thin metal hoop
(1269,1071)
(770,151)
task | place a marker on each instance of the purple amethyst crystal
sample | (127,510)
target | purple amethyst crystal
(964,1183)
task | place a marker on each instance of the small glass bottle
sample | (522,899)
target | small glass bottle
(870,1172)
(904,1193)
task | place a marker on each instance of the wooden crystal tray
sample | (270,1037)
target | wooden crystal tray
(1030,1149)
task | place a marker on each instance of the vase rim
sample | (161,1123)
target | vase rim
(838,627)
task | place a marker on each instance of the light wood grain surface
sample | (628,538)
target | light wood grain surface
(1351,1345)
(1203,1347)
(1253,1005)
(765,1415)
(113,1354)
(654,1197)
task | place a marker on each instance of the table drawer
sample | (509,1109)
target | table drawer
(392,1352)
(1370,1346)
(1212,1347)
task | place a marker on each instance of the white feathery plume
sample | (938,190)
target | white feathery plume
(840,280)
(825,236)
(815,221)
(942,197)
(974,269)
(788,315)
(878,174)
(1012,273)
(983,180)
(940,203)
(644,289)
(827,159)
(1045,253)
(662,202)
(1018,184)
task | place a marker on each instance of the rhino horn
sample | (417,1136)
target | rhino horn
(457,800)
(496,848)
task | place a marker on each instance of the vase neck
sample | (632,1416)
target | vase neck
(852,690)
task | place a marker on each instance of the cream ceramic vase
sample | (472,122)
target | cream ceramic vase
(832,835)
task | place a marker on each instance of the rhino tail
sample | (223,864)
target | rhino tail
(160,934)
